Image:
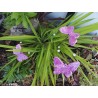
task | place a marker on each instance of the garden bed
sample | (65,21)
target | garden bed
(40,49)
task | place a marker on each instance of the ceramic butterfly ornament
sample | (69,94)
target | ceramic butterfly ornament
(19,54)
(72,36)
(61,68)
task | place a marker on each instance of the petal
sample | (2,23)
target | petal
(73,66)
(17,50)
(63,30)
(57,71)
(67,72)
(70,29)
(58,62)
(14,52)
(21,57)
(18,46)
(58,66)
(67,30)
(72,40)
(76,35)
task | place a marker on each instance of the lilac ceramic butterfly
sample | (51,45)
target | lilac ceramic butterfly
(61,68)
(72,36)
(20,55)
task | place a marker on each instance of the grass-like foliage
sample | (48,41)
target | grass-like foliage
(42,46)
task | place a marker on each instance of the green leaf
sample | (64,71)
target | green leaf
(66,50)
(12,60)
(15,15)
(82,46)
(81,71)
(87,41)
(10,73)
(29,49)
(46,64)
(51,76)
(6,46)
(87,29)
(83,22)
(33,29)
(18,21)
(31,14)
(25,23)
(70,20)
(18,38)
(81,18)
(86,64)
(38,67)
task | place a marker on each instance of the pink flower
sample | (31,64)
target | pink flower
(19,54)
(72,36)
(61,68)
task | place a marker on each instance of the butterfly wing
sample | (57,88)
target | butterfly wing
(58,65)
(66,30)
(21,57)
(73,66)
